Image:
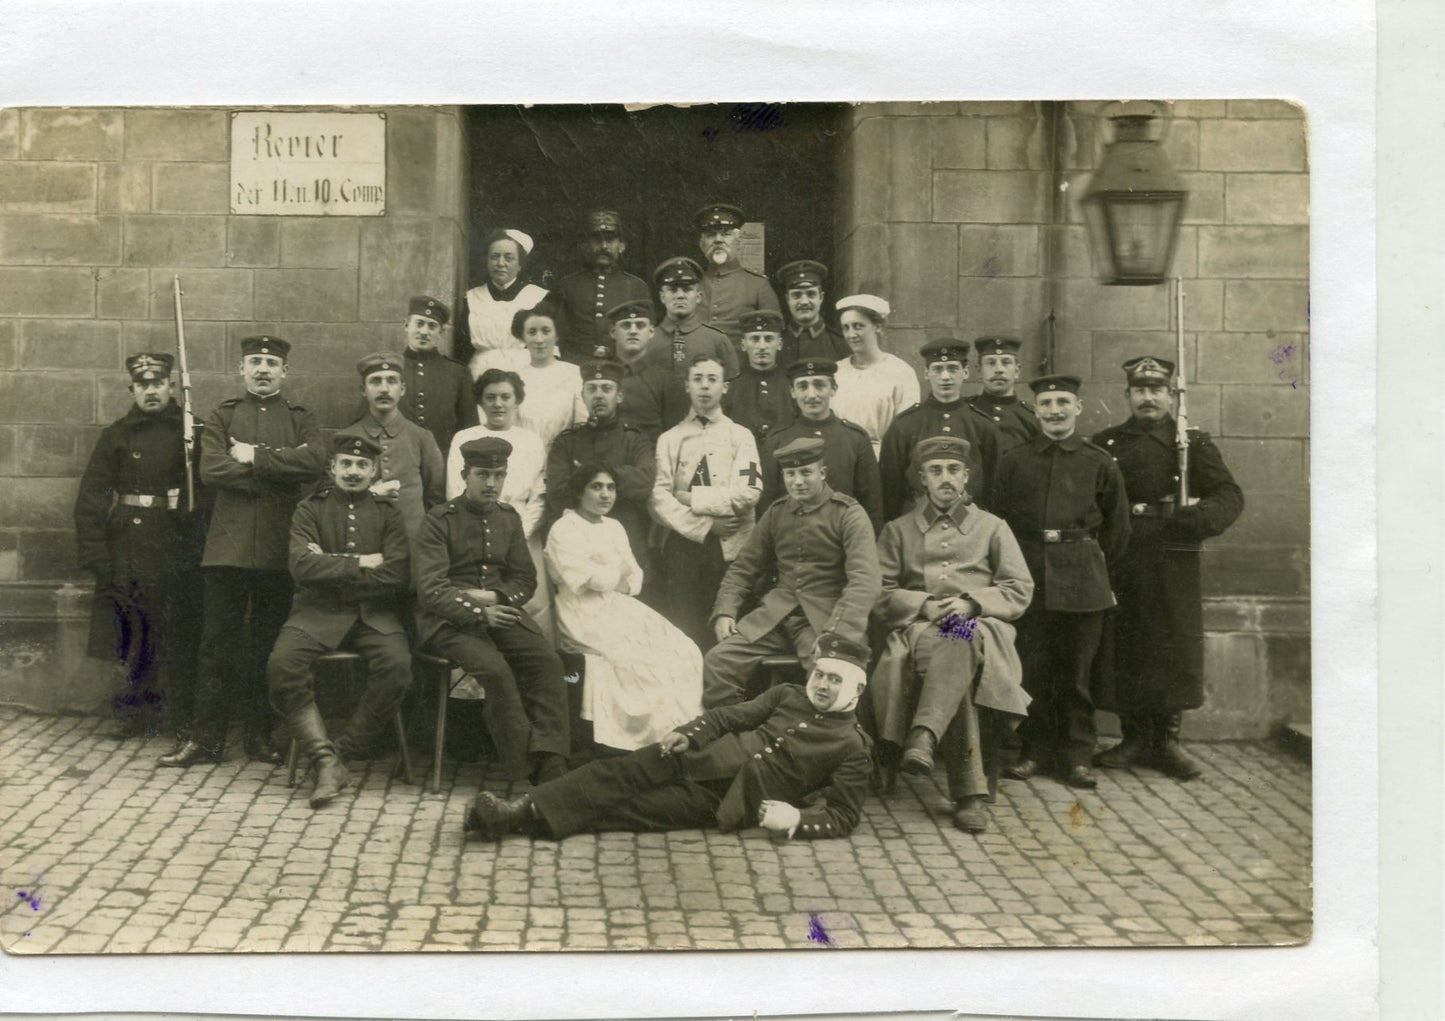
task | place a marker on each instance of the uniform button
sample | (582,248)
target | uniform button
(476,609)
(769,749)
(757,755)
(947,429)
(351,517)
(459,599)
(947,415)
(790,730)
(804,725)
(135,521)
(135,453)
(351,545)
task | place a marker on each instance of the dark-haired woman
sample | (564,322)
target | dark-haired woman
(643,675)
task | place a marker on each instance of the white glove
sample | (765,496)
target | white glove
(779,816)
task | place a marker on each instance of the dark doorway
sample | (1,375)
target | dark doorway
(539,169)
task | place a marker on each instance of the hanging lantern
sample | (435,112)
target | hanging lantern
(1135,201)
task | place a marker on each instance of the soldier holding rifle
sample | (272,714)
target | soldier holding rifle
(138,533)
(1180,493)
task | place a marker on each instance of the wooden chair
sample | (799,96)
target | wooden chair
(351,664)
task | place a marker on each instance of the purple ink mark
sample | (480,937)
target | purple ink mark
(1280,355)
(816,932)
(33,899)
(954,626)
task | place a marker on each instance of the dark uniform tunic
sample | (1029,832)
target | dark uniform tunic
(1158,647)
(848,458)
(1013,418)
(775,747)
(246,552)
(729,291)
(586,297)
(145,558)
(438,395)
(340,604)
(653,400)
(676,344)
(827,579)
(463,546)
(629,452)
(801,343)
(1066,505)
(934,418)
(762,401)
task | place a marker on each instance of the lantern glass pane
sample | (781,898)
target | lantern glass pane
(1141,233)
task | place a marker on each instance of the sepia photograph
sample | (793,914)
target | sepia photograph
(731,526)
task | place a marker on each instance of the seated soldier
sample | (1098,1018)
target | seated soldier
(348,556)
(473,576)
(953,576)
(820,546)
(793,761)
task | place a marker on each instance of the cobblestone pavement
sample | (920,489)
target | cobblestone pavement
(103,852)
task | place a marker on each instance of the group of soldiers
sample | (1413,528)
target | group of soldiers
(970,567)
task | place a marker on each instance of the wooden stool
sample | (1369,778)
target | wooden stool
(349,661)
(773,670)
(442,668)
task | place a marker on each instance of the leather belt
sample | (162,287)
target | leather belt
(1162,509)
(169,501)
(1053,535)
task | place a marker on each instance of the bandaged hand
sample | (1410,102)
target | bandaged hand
(779,816)
(387,490)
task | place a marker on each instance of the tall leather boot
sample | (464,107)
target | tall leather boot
(1135,747)
(1169,757)
(331,775)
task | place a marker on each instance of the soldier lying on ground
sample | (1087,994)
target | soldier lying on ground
(793,761)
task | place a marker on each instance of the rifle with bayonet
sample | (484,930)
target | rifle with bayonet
(1181,417)
(188,418)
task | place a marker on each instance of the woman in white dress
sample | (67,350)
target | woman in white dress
(554,387)
(873,385)
(643,676)
(487,310)
(499,392)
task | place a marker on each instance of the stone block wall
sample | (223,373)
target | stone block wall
(966,217)
(99,210)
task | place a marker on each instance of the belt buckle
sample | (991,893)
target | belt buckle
(1139,509)
(146,500)
(1052,535)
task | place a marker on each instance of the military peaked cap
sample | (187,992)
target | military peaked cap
(763,320)
(945,349)
(718,214)
(149,365)
(798,452)
(486,452)
(802,273)
(355,445)
(677,270)
(264,345)
(1044,384)
(430,308)
(1148,369)
(381,361)
(812,367)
